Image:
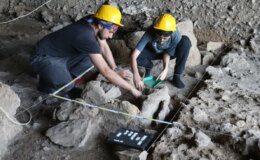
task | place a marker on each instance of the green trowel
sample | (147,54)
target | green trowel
(151,81)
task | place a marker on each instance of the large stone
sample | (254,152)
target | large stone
(214,72)
(75,133)
(120,106)
(9,102)
(174,133)
(199,115)
(186,28)
(120,51)
(47,17)
(157,102)
(72,111)
(235,62)
(213,46)
(202,140)
(208,59)
(100,92)
(131,155)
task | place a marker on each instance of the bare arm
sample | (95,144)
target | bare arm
(107,53)
(134,56)
(166,61)
(137,78)
(111,75)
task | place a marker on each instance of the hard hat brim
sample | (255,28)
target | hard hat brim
(173,30)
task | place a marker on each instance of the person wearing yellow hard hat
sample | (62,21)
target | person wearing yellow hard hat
(161,41)
(68,52)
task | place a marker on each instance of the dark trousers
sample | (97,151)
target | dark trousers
(181,54)
(55,72)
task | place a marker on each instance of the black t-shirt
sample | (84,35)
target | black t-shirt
(76,38)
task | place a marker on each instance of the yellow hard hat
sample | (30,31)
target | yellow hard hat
(110,14)
(166,23)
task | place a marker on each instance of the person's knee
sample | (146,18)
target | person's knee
(186,41)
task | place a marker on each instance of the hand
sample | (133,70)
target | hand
(138,82)
(163,75)
(136,93)
(126,74)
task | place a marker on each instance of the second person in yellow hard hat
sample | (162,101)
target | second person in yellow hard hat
(68,52)
(161,41)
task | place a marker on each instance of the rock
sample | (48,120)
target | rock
(213,46)
(174,133)
(202,140)
(120,51)
(226,95)
(59,26)
(136,9)
(72,111)
(208,59)
(134,38)
(9,99)
(235,62)
(186,28)
(199,115)
(121,106)
(75,133)
(129,155)
(214,72)
(96,94)
(240,124)
(47,17)
(82,112)
(198,75)
(9,103)
(156,102)
(227,127)
(66,108)
(143,155)
(78,17)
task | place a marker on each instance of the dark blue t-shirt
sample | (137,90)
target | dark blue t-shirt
(76,38)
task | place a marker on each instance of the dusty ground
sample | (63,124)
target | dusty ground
(226,109)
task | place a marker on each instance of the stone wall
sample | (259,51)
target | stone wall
(222,19)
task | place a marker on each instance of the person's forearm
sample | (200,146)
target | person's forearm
(166,61)
(109,58)
(107,54)
(134,67)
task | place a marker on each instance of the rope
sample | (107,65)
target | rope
(13,120)
(56,92)
(111,110)
(22,16)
